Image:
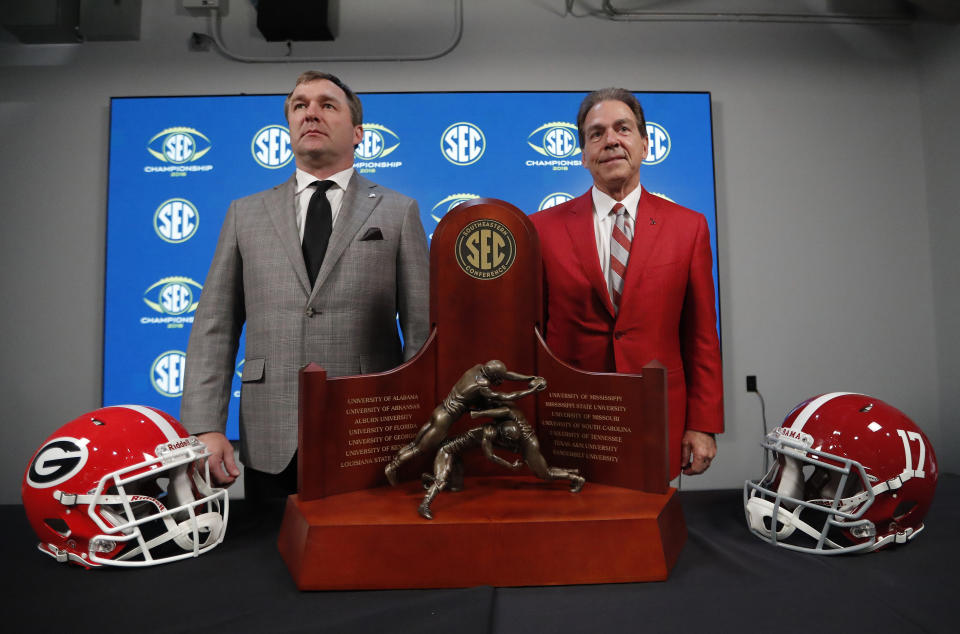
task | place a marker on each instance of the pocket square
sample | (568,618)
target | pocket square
(373,233)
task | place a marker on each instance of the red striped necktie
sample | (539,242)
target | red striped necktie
(620,241)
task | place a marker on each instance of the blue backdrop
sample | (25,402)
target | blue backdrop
(177,162)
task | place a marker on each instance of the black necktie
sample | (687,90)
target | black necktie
(316,230)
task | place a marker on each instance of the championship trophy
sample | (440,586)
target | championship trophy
(582,496)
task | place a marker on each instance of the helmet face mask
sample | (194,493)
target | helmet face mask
(123,486)
(809,501)
(850,474)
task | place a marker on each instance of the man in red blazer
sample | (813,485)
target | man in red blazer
(603,314)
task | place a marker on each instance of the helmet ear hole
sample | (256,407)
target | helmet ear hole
(903,509)
(58,526)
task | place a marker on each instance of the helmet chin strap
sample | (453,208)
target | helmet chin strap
(186,534)
(890,485)
(189,533)
(758,509)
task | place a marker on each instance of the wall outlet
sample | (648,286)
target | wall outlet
(751,383)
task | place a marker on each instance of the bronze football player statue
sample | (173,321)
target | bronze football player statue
(511,431)
(473,390)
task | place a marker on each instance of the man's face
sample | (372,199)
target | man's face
(322,134)
(614,147)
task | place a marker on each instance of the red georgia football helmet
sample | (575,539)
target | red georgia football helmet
(850,474)
(124,486)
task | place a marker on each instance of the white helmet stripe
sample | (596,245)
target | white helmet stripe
(159,420)
(812,407)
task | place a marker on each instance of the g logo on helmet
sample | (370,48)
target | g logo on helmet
(57,461)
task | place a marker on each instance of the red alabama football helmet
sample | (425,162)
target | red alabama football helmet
(859,472)
(124,486)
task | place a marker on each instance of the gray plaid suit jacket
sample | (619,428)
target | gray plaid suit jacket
(346,323)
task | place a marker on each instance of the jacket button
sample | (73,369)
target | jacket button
(311,312)
(618,335)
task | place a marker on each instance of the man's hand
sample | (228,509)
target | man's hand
(222,464)
(538,383)
(697,451)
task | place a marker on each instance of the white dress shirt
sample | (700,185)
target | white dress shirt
(604,220)
(304,193)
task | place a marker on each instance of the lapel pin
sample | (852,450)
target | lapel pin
(652,221)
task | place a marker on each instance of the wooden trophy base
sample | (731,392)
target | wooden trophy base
(498,531)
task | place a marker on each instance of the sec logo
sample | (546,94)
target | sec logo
(556,139)
(485,249)
(173,295)
(378,142)
(441,208)
(166,373)
(176,220)
(554,199)
(659,143)
(178,145)
(271,147)
(463,143)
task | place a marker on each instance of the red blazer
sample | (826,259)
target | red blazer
(667,312)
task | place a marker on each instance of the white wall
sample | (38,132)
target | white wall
(940,96)
(835,148)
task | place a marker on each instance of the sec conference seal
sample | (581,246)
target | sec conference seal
(485,249)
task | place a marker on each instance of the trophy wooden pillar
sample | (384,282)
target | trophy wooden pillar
(347,529)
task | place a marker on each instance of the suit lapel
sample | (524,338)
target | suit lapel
(359,201)
(582,234)
(646,230)
(281,208)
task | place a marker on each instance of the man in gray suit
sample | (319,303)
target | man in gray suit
(318,268)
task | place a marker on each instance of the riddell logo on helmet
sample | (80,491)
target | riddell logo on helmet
(147,498)
(180,444)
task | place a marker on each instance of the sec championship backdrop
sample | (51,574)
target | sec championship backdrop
(177,162)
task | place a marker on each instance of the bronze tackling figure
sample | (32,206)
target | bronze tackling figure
(511,431)
(473,390)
